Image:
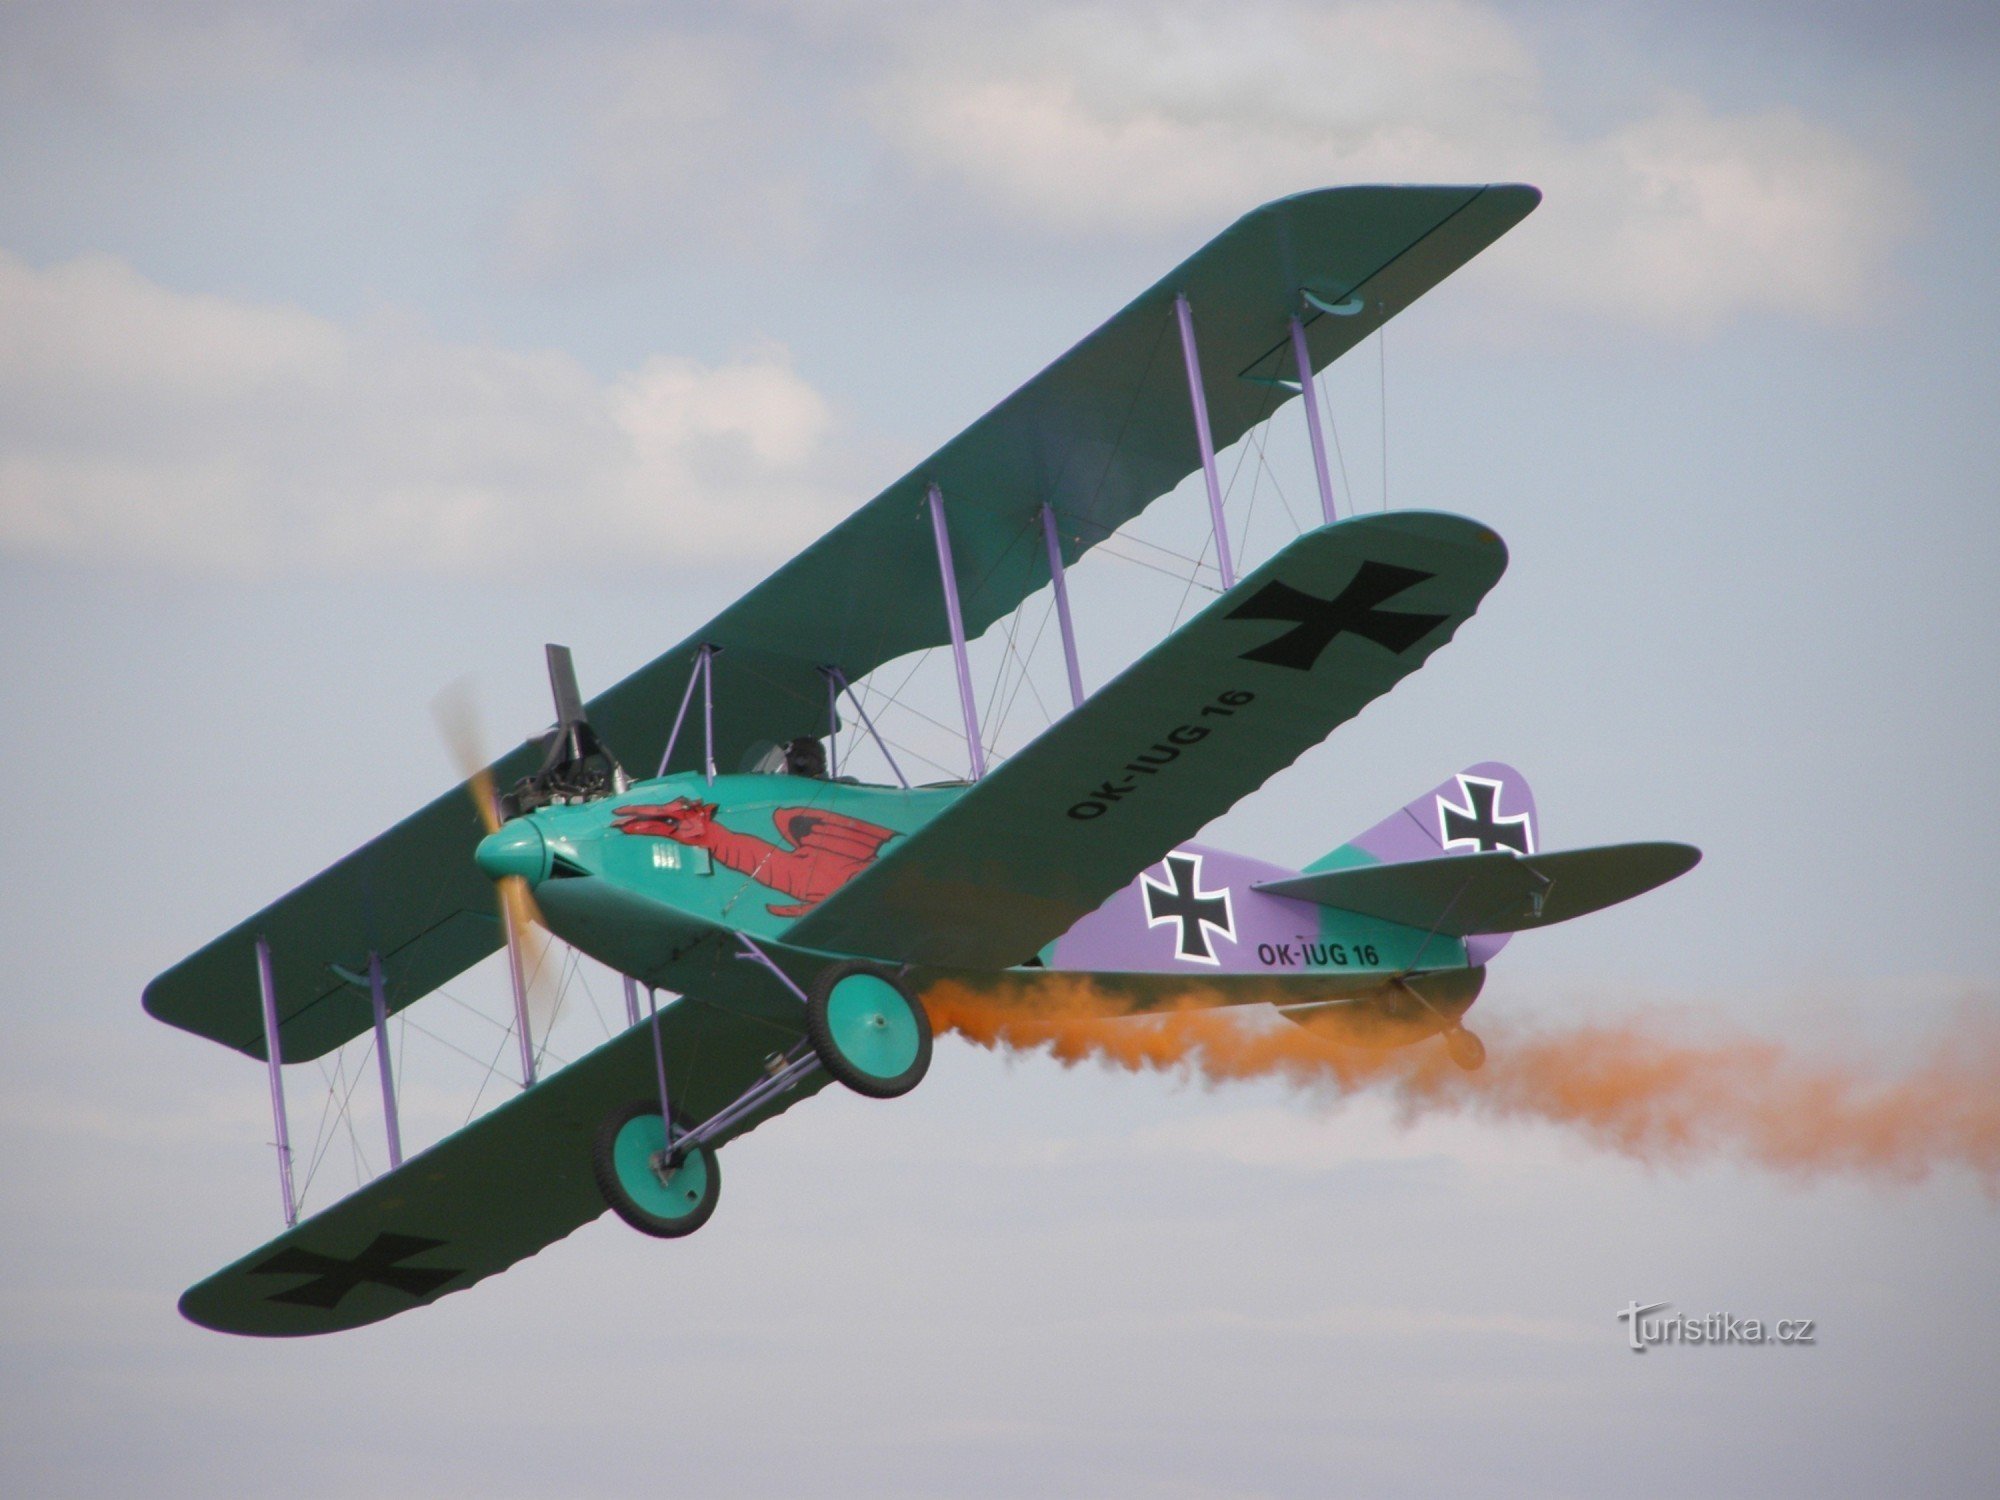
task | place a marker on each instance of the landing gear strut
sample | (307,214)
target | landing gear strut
(1460,1045)
(863,1027)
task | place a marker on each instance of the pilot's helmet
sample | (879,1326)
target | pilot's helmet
(806,756)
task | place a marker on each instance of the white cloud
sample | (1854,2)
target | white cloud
(142,424)
(1118,119)
(675,139)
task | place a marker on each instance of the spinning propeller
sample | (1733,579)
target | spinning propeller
(458,720)
(576,767)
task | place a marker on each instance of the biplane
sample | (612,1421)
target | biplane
(686,829)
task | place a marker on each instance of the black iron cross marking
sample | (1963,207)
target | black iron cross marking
(1477,822)
(1189,907)
(334,1278)
(1352,612)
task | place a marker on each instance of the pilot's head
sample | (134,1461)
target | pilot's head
(806,757)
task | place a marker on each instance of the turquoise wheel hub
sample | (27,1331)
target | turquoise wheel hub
(639,1140)
(871,1023)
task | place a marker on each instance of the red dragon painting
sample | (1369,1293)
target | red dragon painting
(828,849)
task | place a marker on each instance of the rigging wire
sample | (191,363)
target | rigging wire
(319,1131)
(999,688)
(566,971)
(1196,563)
(589,994)
(1243,453)
(492,1069)
(1105,533)
(1007,653)
(893,701)
(912,709)
(472,1010)
(1346,486)
(325,1108)
(337,1109)
(1250,511)
(347,1119)
(1277,488)
(1026,680)
(325,1144)
(1188,592)
(452,1046)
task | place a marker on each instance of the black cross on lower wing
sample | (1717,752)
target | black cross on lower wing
(334,1278)
(1350,612)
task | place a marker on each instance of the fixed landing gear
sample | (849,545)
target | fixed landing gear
(659,1192)
(869,1031)
(1463,1048)
(1460,1045)
(863,1027)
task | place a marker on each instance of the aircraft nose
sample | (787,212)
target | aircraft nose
(516,848)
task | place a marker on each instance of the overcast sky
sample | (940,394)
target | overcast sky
(350,350)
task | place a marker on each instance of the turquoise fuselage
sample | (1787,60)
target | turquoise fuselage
(660,880)
(725,872)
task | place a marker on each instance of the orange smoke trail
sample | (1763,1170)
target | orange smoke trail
(1624,1086)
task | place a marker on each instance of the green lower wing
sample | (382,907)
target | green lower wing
(1203,719)
(514,1181)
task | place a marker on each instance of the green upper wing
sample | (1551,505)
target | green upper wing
(1097,436)
(1265,672)
(517,1179)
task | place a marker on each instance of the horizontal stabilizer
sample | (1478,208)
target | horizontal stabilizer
(1461,895)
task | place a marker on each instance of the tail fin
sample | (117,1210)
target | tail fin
(1484,807)
(1487,806)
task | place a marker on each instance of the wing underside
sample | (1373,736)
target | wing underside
(513,1182)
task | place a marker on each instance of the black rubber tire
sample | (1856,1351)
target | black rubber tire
(820,1034)
(622,1203)
(1465,1049)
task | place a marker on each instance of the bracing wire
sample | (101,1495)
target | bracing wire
(1277,489)
(492,1071)
(589,994)
(1104,549)
(1333,427)
(1007,654)
(320,1130)
(325,1137)
(451,1046)
(565,972)
(1025,680)
(362,1171)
